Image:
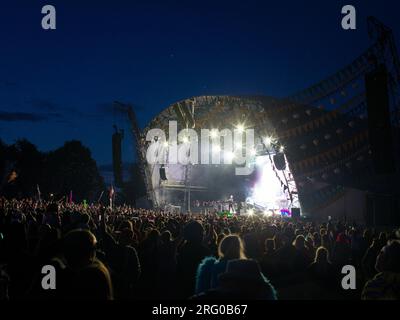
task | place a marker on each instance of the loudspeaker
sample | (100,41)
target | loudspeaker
(279,161)
(379,127)
(295,213)
(117,158)
(163,176)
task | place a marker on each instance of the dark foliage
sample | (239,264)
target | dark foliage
(68,168)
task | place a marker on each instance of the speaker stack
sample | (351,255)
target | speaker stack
(379,127)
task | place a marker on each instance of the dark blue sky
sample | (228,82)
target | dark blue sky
(58,85)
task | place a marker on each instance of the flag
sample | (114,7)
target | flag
(111,194)
(13,175)
(101,195)
(38,192)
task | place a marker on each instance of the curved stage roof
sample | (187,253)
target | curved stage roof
(324,128)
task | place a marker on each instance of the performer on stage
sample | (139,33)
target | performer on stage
(231,207)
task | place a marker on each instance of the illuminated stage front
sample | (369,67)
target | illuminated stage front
(269,191)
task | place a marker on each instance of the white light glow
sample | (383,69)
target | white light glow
(268,192)
(216,148)
(214,134)
(240,128)
(229,156)
(268,213)
(185,140)
(260,161)
(268,141)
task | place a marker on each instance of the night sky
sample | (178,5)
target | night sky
(59,85)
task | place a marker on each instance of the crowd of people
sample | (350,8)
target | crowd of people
(216,205)
(131,253)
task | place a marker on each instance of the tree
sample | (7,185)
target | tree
(25,161)
(3,150)
(28,165)
(72,168)
(69,168)
(3,162)
(134,188)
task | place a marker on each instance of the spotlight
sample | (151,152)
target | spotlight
(282,149)
(185,140)
(250,212)
(214,134)
(268,141)
(165,144)
(240,128)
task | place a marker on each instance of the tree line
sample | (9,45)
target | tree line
(27,172)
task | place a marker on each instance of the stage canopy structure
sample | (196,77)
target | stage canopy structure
(320,136)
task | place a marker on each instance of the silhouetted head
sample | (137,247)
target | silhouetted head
(126,224)
(166,236)
(231,247)
(85,218)
(193,232)
(79,248)
(389,258)
(382,237)
(153,235)
(125,236)
(322,255)
(52,208)
(299,242)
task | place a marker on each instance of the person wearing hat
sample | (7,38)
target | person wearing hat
(242,279)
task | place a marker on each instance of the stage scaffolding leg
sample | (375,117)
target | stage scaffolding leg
(186,199)
(189,200)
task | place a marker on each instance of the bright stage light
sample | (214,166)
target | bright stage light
(260,161)
(238,148)
(267,191)
(165,144)
(253,152)
(214,134)
(250,212)
(216,149)
(185,140)
(229,156)
(240,128)
(268,213)
(267,141)
(282,149)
